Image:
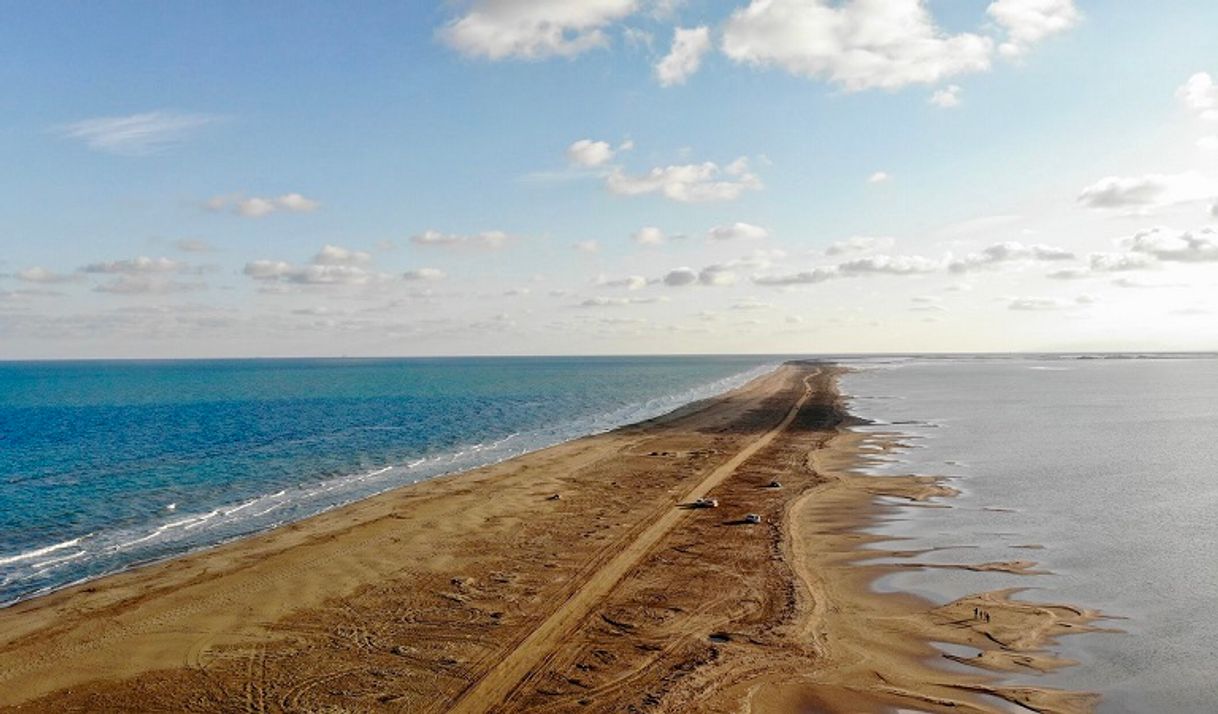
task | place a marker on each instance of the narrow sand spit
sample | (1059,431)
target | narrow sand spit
(481,592)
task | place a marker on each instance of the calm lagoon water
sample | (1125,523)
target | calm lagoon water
(1111,464)
(107,464)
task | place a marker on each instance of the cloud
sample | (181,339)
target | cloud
(1043,304)
(145,284)
(737,231)
(879,177)
(685,57)
(888,265)
(1118,262)
(1148,192)
(630,282)
(334,255)
(601,301)
(807,277)
(280,271)
(533,29)
(717,276)
(649,235)
(589,153)
(142,265)
(947,97)
(688,183)
(588,246)
(137,134)
(424,274)
(1008,252)
(858,44)
(859,244)
(488,240)
(257,207)
(42,276)
(1200,94)
(1173,246)
(1027,22)
(680,277)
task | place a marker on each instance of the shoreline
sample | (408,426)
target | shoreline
(481,589)
(459,459)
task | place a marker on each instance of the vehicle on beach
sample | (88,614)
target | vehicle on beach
(752,519)
(775,484)
(705,503)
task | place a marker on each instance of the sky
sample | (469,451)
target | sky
(499,177)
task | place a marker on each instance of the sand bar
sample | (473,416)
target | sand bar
(569,579)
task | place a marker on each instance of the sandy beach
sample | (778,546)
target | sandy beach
(568,579)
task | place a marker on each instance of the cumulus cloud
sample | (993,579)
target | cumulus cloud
(42,276)
(688,183)
(630,282)
(424,274)
(1148,192)
(334,255)
(685,57)
(137,134)
(1200,94)
(601,301)
(859,244)
(314,274)
(589,153)
(649,235)
(680,277)
(1028,22)
(807,277)
(533,29)
(888,265)
(879,177)
(947,97)
(488,240)
(1008,252)
(717,275)
(858,44)
(737,231)
(1168,245)
(257,206)
(142,265)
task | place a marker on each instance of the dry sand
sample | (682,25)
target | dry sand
(482,592)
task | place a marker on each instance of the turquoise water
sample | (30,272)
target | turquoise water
(1111,464)
(108,464)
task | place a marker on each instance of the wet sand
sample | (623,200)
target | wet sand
(569,579)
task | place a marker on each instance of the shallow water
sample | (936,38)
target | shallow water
(108,464)
(1111,465)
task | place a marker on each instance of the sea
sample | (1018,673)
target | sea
(107,465)
(1110,462)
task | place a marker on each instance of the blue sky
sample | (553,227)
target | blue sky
(213,179)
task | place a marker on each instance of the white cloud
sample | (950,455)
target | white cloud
(1148,192)
(680,277)
(334,255)
(43,276)
(1027,22)
(533,29)
(888,265)
(630,282)
(859,244)
(588,246)
(601,301)
(1008,252)
(807,277)
(489,240)
(649,235)
(1043,304)
(424,274)
(1200,94)
(737,231)
(1174,246)
(257,206)
(136,134)
(685,57)
(589,153)
(717,275)
(688,183)
(947,97)
(142,265)
(1119,262)
(879,177)
(859,44)
(280,271)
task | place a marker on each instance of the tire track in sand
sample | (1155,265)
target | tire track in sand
(496,685)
